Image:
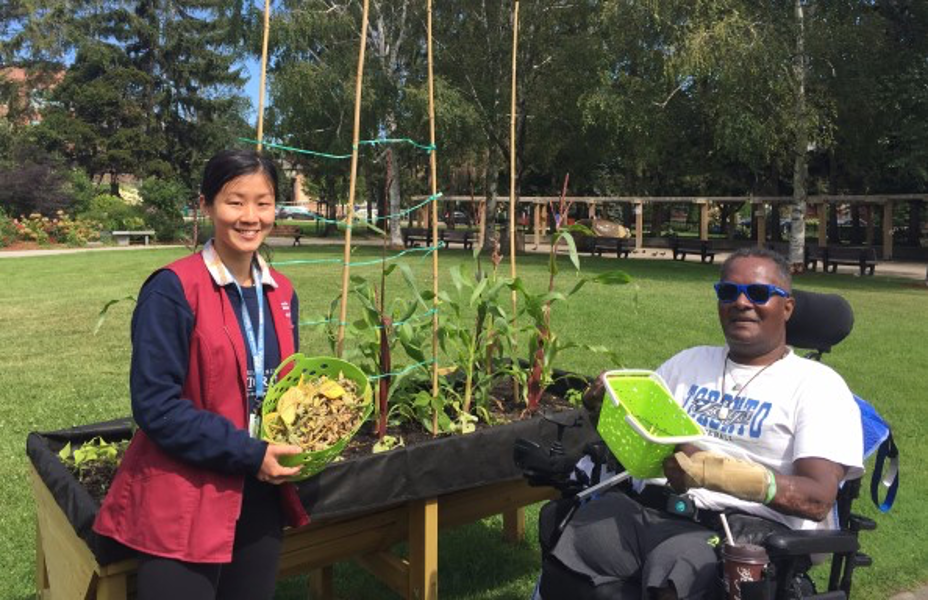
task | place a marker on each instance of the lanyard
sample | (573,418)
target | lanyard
(257,347)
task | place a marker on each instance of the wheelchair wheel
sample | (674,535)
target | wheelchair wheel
(801,586)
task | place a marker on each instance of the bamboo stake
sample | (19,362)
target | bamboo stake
(350,213)
(434,187)
(264,71)
(512,212)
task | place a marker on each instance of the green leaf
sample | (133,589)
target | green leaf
(476,294)
(577,286)
(106,307)
(366,225)
(552,297)
(577,228)
(422,399)
(613,278)
(572,252)
(65,453)
(457,279)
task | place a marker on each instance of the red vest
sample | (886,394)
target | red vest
(166,507)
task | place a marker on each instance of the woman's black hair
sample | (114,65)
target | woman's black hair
(229,164)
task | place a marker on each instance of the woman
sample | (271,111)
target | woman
(197,494)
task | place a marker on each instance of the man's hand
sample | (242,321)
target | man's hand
(739,478)
(271,470)
(676,476)
(593,396)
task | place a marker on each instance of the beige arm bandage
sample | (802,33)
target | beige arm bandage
(739,478)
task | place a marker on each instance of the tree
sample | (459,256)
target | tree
(474,57)
(175,58)
(97,117)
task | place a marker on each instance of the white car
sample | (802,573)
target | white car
(299,213)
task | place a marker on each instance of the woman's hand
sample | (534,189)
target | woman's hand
(271,470)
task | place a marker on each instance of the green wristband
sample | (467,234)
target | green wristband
(772,488)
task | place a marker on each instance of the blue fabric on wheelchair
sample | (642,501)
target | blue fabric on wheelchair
(878,438)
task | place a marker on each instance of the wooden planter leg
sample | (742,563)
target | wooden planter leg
(514,525)
(389,569)
(41,573)
(424,549)
(112,587)
(320,584)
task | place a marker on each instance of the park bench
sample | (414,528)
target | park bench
(811,253)
(619,246)
(864,258)
(123,238)
(454,236)
(292,231)
(412,236)
(681,247)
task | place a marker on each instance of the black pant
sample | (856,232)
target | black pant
(250,576)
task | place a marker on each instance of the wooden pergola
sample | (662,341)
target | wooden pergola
(760,207)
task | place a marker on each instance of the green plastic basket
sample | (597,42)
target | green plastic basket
(641,422)
(312,463)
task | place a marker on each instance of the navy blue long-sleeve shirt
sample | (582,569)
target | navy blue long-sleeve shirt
(161,328)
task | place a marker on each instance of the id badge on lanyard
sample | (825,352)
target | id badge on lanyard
(256,346)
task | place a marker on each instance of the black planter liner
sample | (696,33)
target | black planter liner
(75,501)
(346,488)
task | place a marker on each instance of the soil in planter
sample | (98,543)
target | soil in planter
(502,410)
(97,475)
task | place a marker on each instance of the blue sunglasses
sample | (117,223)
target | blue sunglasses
(757,293)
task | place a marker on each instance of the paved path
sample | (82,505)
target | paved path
(919,594)
(57,251)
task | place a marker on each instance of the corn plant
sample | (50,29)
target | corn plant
(380,329)
(544,344)
(471,345)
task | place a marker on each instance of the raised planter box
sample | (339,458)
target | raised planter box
(359,508)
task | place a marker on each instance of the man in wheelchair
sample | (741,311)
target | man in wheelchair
(783,432)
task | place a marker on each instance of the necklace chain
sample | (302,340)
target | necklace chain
(741,388)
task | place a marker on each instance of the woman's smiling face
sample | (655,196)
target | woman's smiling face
(242,213)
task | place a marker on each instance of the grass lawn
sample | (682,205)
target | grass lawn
(55,373)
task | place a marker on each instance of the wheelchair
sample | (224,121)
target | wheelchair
(819,322)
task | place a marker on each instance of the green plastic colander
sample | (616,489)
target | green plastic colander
(311,463)
(641,422)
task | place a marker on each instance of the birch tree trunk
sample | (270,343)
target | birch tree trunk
(798,206)
(491,174)
(387,38)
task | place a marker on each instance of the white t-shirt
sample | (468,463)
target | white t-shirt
(794,408)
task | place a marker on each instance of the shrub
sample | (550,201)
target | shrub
(114,214)
(83,191)
(8,231)
(30,187)
(162,201)
(60,229)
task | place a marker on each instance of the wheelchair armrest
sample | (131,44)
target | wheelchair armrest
(796,543)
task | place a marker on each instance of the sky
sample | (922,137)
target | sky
(253,70)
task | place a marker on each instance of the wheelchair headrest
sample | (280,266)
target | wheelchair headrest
(819,321)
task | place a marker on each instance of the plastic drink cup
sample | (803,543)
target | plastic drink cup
(742,562)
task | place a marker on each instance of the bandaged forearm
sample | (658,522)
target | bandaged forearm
(742,479)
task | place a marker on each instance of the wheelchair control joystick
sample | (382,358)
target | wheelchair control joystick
(557,447)
(548,466)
